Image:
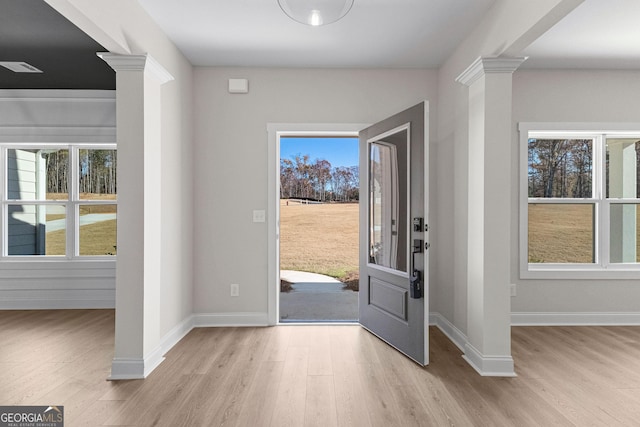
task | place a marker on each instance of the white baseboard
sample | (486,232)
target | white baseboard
(123,368)
(575,319)
(489,366)
(132,368)
(152,361)
(174,336)
(454,334)
(230,319)
(135,369)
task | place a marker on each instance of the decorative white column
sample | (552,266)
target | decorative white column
(488,347)
(138,121)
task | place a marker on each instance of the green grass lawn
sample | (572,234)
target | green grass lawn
(564,233)
(95,239)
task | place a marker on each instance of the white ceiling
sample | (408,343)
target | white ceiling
(387,33)
(597,34)
(374,34)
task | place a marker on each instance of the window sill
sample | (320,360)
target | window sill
(581,272)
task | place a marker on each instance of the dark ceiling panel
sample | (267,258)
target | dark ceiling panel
(32,31)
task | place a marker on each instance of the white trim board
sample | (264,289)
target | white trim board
(60,300)
(175,335)
(575,319)
(133,368)
(210,320)
(454,334)
(487,366)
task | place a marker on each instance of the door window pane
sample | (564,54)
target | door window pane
(36,229)
(98,230)
(388,233)
(37,174)
(561,168)
(624,236)
(561,233)
(97,174)
(623,157)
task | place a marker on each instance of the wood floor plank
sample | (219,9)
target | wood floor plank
(377,394)
(320,406)
(289,407)
(320,362)
(257,408)
(318,375)
(351,407)
(94,414)
(280,338)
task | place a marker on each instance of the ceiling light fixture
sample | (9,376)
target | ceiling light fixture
(315,12)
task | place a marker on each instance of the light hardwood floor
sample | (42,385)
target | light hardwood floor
(317,376)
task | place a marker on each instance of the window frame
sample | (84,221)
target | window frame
(601,268)
(72,203)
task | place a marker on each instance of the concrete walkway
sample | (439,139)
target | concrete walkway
(316,298)
(60,224)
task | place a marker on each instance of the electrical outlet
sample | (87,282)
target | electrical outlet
(513,289)
(235,290)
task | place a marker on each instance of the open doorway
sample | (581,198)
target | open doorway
(319,216)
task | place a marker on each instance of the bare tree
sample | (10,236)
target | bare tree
(318,180)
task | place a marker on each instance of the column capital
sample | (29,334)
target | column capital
(482,66)
(144,63)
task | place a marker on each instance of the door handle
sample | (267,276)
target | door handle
(415,284)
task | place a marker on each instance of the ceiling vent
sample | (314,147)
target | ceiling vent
(20,67)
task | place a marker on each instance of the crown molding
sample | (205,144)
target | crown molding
(482,66)
(144,63)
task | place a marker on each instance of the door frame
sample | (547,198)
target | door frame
(274,132)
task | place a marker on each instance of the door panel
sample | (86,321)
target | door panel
(392,194)
(388,298)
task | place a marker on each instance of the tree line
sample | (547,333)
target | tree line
(318,180)
(563,167)
(97,171)
(560,168)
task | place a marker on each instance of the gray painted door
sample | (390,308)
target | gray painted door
(393,224)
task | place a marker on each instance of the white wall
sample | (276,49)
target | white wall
(231,159)
(572,96)
(38,116)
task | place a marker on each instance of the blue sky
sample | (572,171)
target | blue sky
(338,151)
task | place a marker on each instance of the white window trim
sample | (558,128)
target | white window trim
(601,269)
(72,204)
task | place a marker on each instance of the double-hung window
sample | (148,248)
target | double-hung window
(579,201)
(59,200)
